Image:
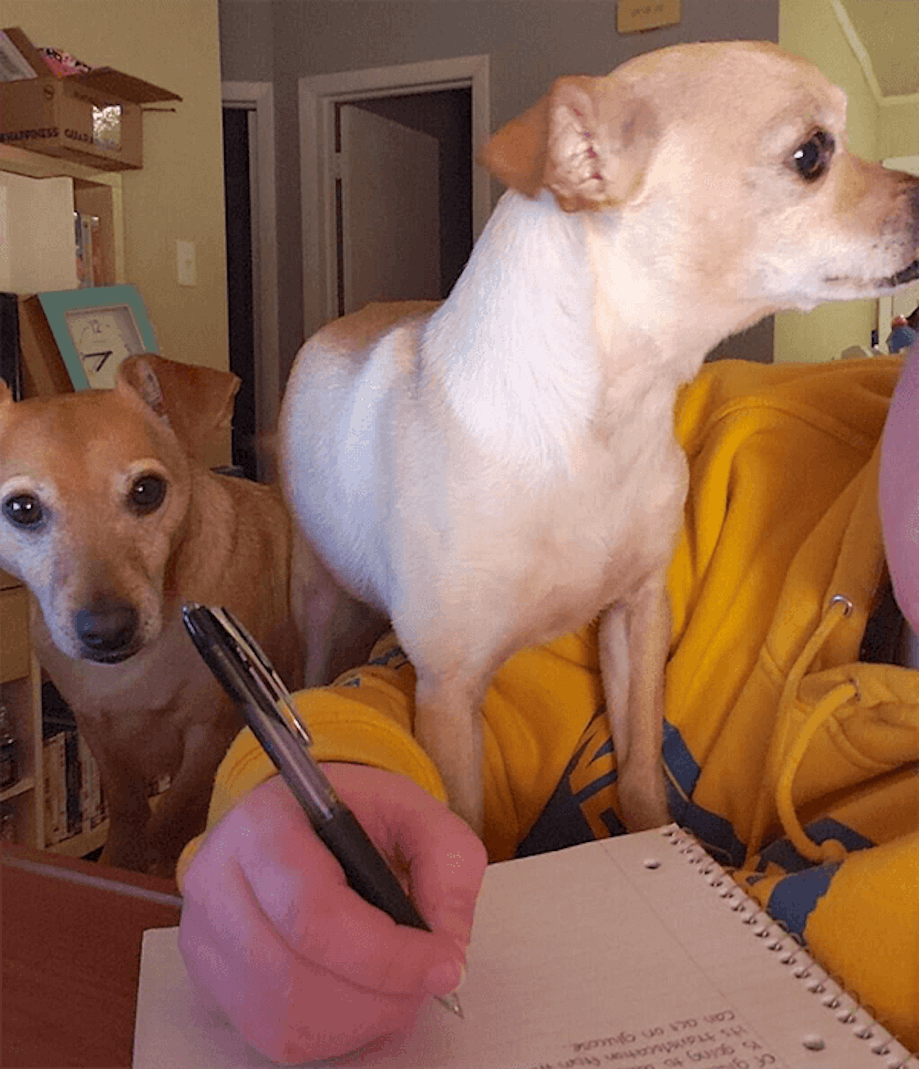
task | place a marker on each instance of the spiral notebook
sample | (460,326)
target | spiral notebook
(637,952)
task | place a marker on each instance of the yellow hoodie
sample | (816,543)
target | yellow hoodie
(789,755)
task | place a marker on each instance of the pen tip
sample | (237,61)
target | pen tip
(452,1003)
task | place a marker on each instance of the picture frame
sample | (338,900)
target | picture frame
(96,328)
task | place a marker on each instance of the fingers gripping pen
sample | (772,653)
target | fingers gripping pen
(249,678)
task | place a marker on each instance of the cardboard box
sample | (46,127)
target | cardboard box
(93,118)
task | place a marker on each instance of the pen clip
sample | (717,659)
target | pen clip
(251,658)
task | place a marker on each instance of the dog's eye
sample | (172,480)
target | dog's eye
(24,510)
(147,493)
(812,158)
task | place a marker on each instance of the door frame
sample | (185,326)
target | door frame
(910,164)
(318,96)
(258,97)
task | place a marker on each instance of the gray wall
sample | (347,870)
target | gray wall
(530,42)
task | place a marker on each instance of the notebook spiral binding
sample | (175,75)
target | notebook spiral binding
(845,1009)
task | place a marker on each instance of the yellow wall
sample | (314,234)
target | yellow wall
(898,131)
(179,192)
(809,28)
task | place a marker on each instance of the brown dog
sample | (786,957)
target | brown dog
(502,469)
(112,521)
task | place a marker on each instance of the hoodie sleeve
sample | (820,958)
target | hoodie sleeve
(364,718)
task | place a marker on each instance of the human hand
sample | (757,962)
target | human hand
(302,965)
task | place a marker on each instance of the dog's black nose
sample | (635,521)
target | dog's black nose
(108,629)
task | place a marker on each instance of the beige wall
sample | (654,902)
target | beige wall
(898,130)
(810,29)
(179,192)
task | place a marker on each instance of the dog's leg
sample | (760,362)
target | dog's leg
(448,726)
(127,845)
(338,631)
(180,813)
(634,639)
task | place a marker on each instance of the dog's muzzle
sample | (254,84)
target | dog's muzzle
(108,630)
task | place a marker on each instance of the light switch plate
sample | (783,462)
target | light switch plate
(186,268)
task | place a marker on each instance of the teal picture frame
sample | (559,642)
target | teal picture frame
(57,304)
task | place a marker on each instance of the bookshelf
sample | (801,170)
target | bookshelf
(40,792)
(20,692)
(96,193)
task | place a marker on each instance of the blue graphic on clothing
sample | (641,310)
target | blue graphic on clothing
(581,810)
(794,898)
(684,769)
(783,854)
(581,806)
(564,821)
(683,772)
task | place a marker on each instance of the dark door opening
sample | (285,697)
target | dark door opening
(240,299)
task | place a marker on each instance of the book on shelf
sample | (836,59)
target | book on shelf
(88,237)
(92,797)
(74,800)
(55,770)
(74,794)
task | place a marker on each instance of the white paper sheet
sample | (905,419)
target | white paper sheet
(585,957)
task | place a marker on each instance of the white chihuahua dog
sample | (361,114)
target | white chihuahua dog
(499,470)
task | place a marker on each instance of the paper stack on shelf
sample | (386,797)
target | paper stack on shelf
(37,250)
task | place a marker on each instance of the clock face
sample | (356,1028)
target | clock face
(103,337)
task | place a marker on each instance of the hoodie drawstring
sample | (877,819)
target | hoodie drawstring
(831,849)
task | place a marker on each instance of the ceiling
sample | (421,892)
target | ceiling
(889,32)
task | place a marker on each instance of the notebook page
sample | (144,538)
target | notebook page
(585,957)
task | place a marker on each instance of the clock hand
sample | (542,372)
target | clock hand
(104,354)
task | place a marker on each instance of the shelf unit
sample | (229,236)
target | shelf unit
(94,192)
(20,692)
(97,193)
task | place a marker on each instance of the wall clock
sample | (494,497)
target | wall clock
(97,328)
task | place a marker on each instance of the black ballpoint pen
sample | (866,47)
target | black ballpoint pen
(249,678)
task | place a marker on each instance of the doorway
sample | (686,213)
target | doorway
(444,100)
(240,294)
(252,271)
(403,196)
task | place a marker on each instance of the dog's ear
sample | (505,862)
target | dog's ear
(589,141)
(194,401)
(6,394)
